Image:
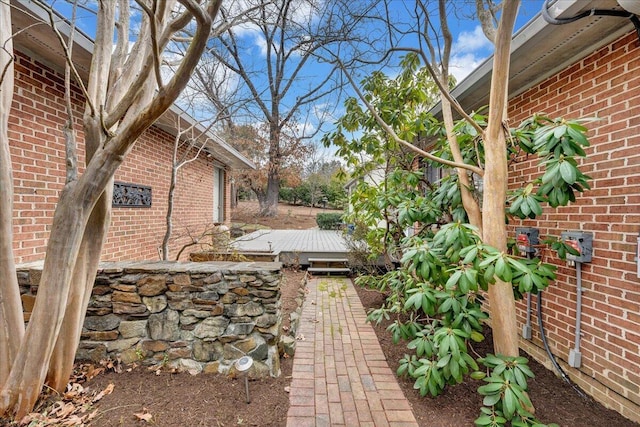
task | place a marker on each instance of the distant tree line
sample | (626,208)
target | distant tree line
(330,195)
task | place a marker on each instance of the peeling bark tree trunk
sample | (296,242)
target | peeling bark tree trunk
(503,310)
(123,99)
(468,202)
(11,319)
(62,359)
(22,388)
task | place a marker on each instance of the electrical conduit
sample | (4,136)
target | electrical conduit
(543,334)
(575,357)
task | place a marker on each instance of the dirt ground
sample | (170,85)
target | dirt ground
(137,397)
(290,217)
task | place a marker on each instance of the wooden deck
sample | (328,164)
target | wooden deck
(294,246)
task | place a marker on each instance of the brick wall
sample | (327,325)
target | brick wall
(136,233)
(37,150)
(605,85)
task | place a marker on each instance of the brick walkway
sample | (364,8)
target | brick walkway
(340,375)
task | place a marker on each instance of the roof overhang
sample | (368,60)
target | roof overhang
(34,35)
(175,118)
(540,50)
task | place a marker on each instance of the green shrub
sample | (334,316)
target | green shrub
(329,220)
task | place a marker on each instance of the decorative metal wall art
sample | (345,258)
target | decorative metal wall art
(131,195)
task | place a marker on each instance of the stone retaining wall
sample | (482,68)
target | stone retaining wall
(199,317)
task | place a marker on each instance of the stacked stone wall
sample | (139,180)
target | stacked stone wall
(197,317)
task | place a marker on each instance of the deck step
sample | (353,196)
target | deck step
(341,260)
(328,270)
(329,265)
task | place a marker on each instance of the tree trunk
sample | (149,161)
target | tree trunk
(503,311)
(81,217)
(11,318)
(502,302)
(234,194)
(269,207)
(21,390)
(57,288)
(468,202)
(84,276)
(170,202)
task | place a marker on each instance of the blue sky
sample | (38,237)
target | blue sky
(473,47)
(470,48)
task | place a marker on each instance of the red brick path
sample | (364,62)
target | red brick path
(340,375)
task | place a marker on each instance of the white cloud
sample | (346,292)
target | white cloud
(462,65)
(261,43)
(472,41)
(469,50)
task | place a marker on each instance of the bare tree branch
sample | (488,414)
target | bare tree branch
(193,141)
(290,44)
(155,49)
(69,134)
(487,16)
(67,50)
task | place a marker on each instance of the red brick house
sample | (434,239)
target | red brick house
(588,68)
(202,197)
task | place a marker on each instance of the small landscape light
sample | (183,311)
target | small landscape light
(242,365)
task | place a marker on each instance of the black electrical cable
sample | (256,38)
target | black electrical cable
(591,12)
(562,373)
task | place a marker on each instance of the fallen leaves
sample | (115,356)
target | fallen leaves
(83,372)
(112,365)
(159,369)
(104,392)
(144,415)
(74,407)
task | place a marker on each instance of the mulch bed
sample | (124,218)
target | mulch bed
(554,400)
(186,400)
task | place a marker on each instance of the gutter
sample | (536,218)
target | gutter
(540,50)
